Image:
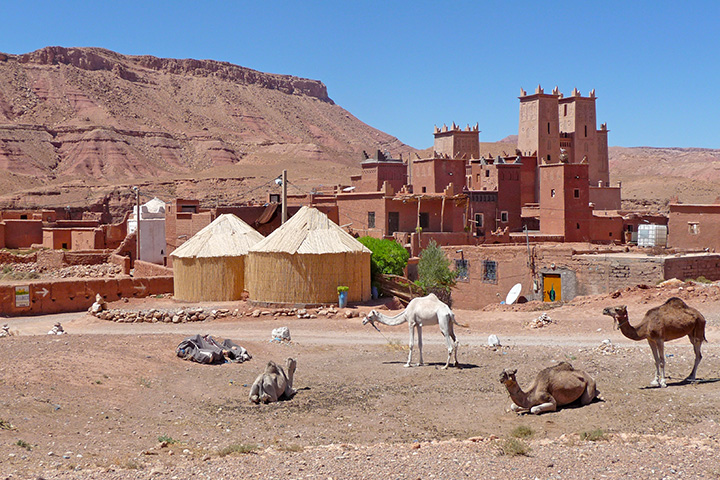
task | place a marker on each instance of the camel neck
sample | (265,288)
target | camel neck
(516,394)
(628,330)
(392,320)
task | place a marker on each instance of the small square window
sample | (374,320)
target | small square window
(461,267)
(504,217)
(489,271)
(479,220)
(693,228)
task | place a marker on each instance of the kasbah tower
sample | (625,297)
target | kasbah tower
(563,130)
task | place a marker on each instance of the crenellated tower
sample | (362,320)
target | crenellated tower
(539,130)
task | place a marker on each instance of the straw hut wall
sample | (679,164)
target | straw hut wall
(210,266)
(305,260)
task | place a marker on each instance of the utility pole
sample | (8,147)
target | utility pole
(284,196)
(137,221)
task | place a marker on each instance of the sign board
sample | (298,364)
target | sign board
(22,296)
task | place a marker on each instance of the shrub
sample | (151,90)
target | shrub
(513,447)
(522,431)
(241,448)
(388,256)
(434,273)
(593,435)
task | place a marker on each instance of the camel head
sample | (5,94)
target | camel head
(619,314)
(508,376)
(370,318)
(290,366)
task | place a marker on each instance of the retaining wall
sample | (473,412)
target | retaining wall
(75,295)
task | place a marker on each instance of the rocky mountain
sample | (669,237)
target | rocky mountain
(79,125)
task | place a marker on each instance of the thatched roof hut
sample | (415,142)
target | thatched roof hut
(305,260)
(211,264)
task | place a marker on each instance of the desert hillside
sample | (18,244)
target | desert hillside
(79,125)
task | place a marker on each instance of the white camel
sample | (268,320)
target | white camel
(421,311)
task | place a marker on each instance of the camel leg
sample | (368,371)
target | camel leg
(697,344)
(550,406)
(411,343)
(661,356)
(517,408)
(451,342)
(656,357)
(590,392)
(419,331)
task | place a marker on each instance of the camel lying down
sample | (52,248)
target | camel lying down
(554,386)
(274,384)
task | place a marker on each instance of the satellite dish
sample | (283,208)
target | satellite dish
(513,294)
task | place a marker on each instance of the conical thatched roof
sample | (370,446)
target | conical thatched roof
(309,231)
(226,236)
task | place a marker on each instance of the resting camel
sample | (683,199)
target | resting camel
(554,386)
(671,320)
(274,384)
(421,311)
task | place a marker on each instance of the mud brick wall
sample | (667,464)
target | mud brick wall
(692,267)
(147,269)
(76,295)
(59,258)
(7,257)
(123,261)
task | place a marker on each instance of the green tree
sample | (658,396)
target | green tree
(388,256)
(434,273)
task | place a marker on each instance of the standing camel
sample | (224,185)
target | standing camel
(671,320)
(421,311)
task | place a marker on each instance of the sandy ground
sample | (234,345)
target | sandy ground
(96,402)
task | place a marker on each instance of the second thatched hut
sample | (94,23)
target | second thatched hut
(305,260)
(210,266)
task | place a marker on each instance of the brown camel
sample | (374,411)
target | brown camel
(554,386)
(671,320)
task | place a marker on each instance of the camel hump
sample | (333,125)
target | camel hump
(676,302)
(563,366)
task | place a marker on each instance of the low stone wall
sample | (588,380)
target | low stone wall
(147,269)
(75,295)
(199,314)
(7,257)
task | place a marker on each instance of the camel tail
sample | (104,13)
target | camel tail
(458,323)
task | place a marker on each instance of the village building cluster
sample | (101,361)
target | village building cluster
(545,216)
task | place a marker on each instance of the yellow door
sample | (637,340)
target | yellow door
(552,286)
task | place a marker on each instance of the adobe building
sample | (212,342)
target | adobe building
(552,126)
(694,226)
(378,170)
(153,243)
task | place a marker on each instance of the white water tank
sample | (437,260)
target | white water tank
(652,235)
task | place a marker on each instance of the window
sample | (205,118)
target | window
(552,192)
(504,217)
(629,228)
(586,130)
(487,173)
(489,271)
(274,198)
(424,220)
(190,208)
(393,222)
(693,228)
(461,267)
(577,226)
(64,246)
(548,157)
(23,217)
(566,110)
(548,127)
(479,220)
(371,220)
(576,193)
(424,189)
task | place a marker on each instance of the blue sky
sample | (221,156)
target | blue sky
(404,67)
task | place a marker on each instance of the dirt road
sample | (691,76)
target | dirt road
(95,402)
